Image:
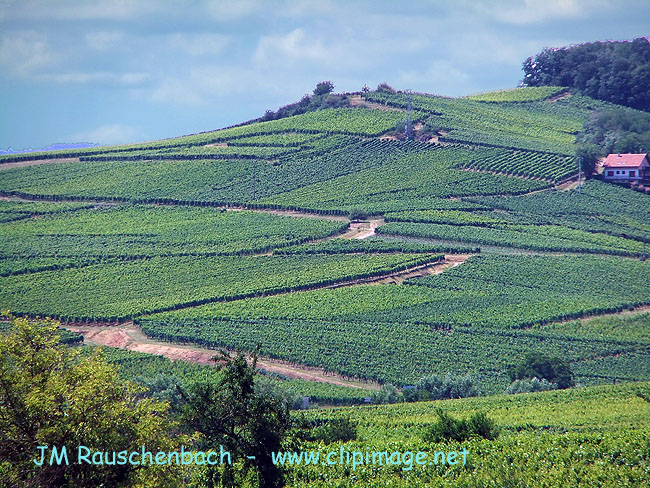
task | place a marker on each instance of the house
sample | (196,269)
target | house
(626,168)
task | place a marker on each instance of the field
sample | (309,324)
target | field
(589,437)
(331,244)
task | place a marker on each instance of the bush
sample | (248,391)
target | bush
(435,388)
(387,394)
(385,88)
(535,365)
(448,428)
(357,214)
(530,386)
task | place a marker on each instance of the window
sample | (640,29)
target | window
(632,174)
(610,173)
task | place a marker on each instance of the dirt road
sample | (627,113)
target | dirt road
(130,336)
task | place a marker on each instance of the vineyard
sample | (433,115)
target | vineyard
(471,318)
(112,231)
(540,127)
(238,237)
(118,290)
(586,437)
(524,94)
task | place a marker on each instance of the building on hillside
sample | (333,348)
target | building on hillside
(626,168)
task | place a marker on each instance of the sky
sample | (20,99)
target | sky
(118,71)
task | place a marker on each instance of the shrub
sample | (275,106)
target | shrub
(386,88)
(387,394)
(435,388)
(357,214)
(448,428)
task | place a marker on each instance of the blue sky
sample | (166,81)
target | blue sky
(117,71)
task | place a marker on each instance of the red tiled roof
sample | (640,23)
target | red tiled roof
(624,160)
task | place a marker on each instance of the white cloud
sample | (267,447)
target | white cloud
(439,77)
(84,10)
(21,53)
(203,85)
(294,46)
(525,12)
(108,134)
(123,79)
(199,44)
(320,8)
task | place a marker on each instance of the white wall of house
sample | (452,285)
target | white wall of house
(621,174)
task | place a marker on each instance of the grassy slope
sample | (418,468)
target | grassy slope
(597,436)
(329,161)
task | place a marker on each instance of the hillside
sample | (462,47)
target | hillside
(145,232)
(356,259)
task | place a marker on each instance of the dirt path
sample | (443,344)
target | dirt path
(358,101)
(129,336)
(588,318)
(35,162)
(450,261)
(362,230)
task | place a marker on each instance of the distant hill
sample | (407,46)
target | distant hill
(51,147)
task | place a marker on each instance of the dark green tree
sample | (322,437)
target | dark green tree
(227,412)
(588,155)
(615,71)
(537,365)
(323,88)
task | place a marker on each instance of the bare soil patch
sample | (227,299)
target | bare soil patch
(35,162)
(362,230)
(217,144)
(559,96)
(358,101)
(129,336)
(450,261)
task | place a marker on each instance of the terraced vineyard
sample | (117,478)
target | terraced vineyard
(524,94)
(463,320)
(110,231)
(142,232)
(118,290)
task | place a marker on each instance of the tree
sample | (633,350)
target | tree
(537,365)
(588,155)
(357,214)
(385,88)
(387,394)
(226,411)
(323,88)
(51,396)
(613,71)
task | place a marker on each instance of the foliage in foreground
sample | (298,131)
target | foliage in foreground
(50,398)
